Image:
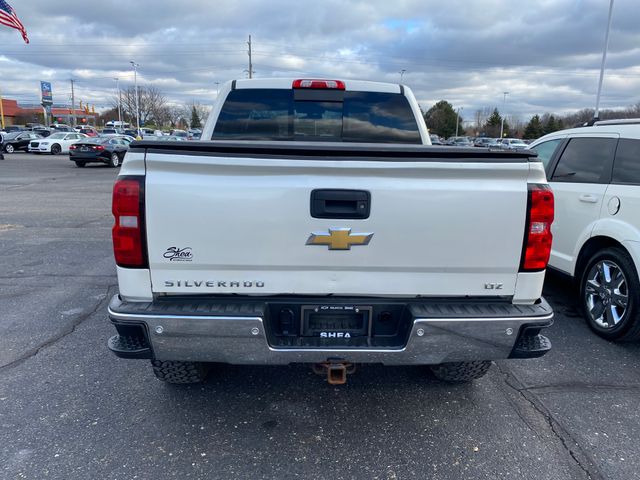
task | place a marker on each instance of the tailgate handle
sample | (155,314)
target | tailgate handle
(346,204)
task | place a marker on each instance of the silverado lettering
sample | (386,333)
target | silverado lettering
(211,284)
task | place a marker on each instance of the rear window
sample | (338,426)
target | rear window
(274,114)
(626,168)
(584,160)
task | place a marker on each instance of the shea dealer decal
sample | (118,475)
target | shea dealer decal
(175,254)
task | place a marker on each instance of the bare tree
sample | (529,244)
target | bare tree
(481,117)
(152,105)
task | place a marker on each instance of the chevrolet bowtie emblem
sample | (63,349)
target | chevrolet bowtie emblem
(339,239)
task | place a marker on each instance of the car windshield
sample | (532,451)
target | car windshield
(58,135)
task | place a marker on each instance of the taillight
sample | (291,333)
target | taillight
(128,210)
(72,147)
(98,148)
(538,237)
(313,83)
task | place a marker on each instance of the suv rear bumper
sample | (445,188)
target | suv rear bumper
(233,331)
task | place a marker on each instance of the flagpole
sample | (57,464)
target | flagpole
(1,110)
(596,115)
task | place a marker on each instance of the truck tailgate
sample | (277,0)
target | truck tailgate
(233,221)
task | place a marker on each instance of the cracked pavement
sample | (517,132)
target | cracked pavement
(71,410)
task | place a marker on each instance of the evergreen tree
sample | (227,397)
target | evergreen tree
(441,120)
(534,128)
(492,127)
(495,119)
(551,125)
(195,118)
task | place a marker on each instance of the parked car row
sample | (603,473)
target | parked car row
(486,142)
(110,129)
(81,147)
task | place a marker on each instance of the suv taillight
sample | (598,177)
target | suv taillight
(128,210)
(538,237)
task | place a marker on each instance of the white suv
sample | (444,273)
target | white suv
(595,175)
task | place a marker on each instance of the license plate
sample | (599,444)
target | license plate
(335,321)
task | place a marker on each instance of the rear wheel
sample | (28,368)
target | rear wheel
(9,149)
(56,149)
(610,295)
(80,164)
(179,372)
(459,372)
(114,161)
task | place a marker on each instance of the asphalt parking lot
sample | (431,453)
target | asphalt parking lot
(69,409)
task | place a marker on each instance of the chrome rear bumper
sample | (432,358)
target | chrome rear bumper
(240,338)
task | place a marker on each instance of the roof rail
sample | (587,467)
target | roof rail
(620,121)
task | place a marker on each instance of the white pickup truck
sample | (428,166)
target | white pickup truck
(315,224)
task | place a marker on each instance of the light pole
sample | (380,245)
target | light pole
(504,102)
(604,59)
(119,103)
(401,72)
(135,81)
(457,118)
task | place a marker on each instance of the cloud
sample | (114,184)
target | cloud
(546,53)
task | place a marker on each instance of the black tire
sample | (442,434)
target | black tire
(114,161)
(622,322)
(179,372)
(56,149)
(459,372)
(80,164)
(9,149)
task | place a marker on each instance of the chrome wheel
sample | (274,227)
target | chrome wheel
(606,294)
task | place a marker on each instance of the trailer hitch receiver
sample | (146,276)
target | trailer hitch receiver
(336,372)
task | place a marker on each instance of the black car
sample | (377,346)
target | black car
(109,150)
(17,141)
(44,131)
(62,128)
(13,128)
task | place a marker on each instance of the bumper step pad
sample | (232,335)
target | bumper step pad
(531,346)
(129,346)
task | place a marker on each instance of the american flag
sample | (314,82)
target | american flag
(9,18)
